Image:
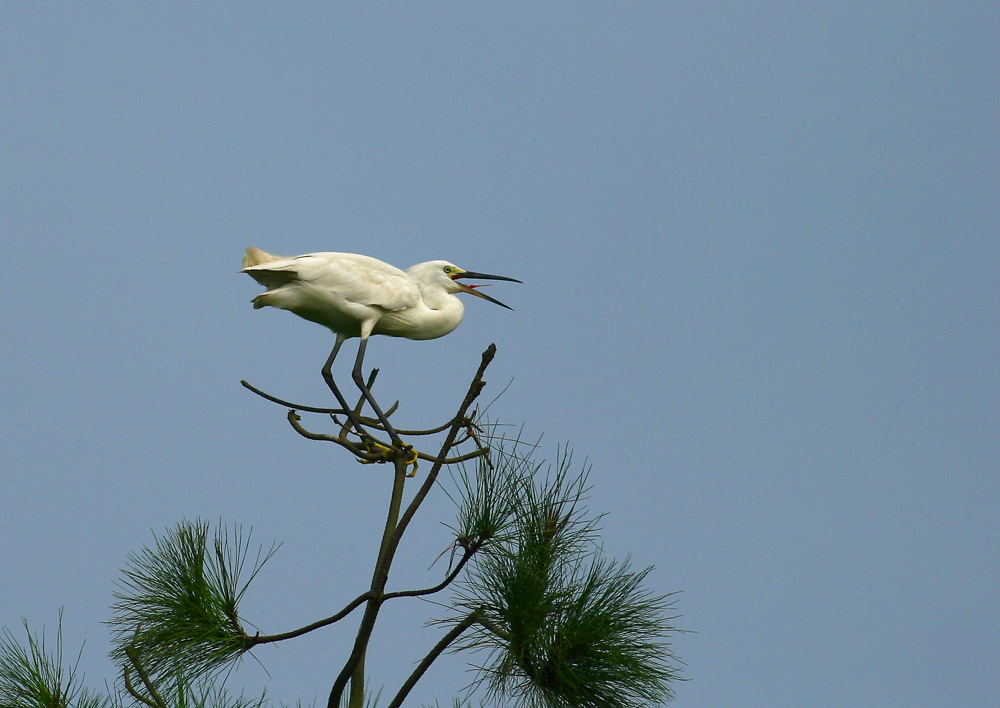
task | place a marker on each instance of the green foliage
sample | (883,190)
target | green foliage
(176,605)
(35,677)
(486,497)
(464,702)
(179,693)
(562,626)
(205,693)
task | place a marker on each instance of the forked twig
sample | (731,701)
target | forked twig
(157,701)
(391,543)
(355,434)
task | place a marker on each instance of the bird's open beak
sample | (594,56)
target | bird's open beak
(481,276)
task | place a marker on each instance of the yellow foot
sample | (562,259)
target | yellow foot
(372,447)
(412,460)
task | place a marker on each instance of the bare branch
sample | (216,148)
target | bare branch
(134,693)
(356,449)
(466,557)
(289,404)
(133,656)
(493,629)
(475,388)
(251,642)
(434,653)
(391,541)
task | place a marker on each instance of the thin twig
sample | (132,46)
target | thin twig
(434,653)
(443,584)
(429,431)
(389,545)
(371,422)
(452,460)
(355,448)
(289,404)
(134,693)
(251,642)
(492,628)
(475,388)
(133,656)
(354,667)
(359,451)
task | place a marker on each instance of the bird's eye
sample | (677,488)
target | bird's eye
(448,269)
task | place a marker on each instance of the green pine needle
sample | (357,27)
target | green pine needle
(486,496)
(35,677)
(564,627)
(177,602)
(204,693)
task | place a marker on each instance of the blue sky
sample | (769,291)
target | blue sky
(761,296)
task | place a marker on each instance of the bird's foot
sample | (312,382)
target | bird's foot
(373,447)
(409,449)
(405,451)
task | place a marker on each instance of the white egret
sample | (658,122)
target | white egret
(358,296)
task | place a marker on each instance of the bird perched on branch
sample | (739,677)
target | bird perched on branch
(358,296)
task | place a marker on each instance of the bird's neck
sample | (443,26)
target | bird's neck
(434,298)
(446,311)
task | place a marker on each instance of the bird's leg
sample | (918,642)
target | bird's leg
(360,405)
(328,377)
(361,398)
(359,379)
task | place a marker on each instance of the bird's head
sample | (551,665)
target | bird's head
(446,276)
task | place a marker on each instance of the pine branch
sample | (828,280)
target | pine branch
(252,641)
(391,540)
(466,557)
(36,677)
(177,604)
(563,626)
(432,655)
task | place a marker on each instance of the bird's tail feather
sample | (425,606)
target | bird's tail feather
(255,256)
(261,300)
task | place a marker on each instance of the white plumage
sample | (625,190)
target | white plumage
(357,296)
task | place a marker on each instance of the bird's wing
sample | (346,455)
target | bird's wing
(356,278)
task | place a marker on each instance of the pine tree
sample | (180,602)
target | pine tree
(550,621)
